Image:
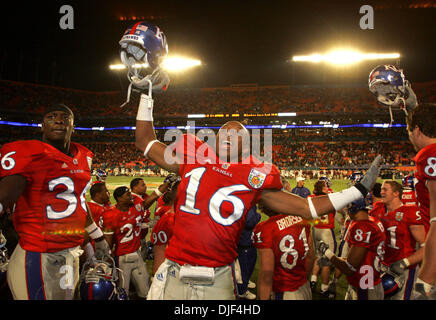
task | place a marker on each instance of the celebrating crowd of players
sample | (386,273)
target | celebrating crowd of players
(213,187)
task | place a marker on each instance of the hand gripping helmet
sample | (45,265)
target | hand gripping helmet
(101,281)
(142,44)
(408,182)
(391,284)
(387,83)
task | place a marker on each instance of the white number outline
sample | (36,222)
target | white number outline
(5,158)
(431,164)
(290,250)
(67,195)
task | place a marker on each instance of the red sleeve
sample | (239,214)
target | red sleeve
(16,158)
(163,230)
(413,216)
(426,162)
(109,220)
(272,180)
(262,236)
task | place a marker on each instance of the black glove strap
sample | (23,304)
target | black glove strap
(361,188)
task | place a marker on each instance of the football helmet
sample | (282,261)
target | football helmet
(327,181)
(391,284)
(101,175)
(408,182)
(387,83)
(143,48)
(101,280)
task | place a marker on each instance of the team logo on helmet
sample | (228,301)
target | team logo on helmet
(256,178)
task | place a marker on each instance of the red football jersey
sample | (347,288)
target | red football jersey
(399,240)
(369,234)
(50,214)
(139,204)
(97,212)
(326,221)
(288,237)
(212,202)
(161,208)
(163,229)
(126,228)
(425,162)
(409,197)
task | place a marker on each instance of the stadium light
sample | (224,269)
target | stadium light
(344,57)
(171,64)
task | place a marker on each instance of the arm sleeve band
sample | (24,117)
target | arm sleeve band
(158,192)
(341,199)
(93,231)
(149,145)
(431,220)
(312,209)
(329,254)
(145,109)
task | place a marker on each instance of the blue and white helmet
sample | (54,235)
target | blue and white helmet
(388,84)
(327,181)
(101,281)
(4,261)
(409,182)
(391,284)
(143,48)
(356,177)
(101,175)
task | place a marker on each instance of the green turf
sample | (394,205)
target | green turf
(153,182)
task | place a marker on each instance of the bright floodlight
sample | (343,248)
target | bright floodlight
(171,64)
(179,63)
(345,57)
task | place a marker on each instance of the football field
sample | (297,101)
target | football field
(154,182)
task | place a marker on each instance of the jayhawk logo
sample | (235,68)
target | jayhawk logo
(256,178)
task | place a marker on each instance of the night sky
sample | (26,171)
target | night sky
(237,41)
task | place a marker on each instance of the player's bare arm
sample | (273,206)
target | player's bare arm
(159,256)
(313,208)
(155,195)
(428,269)
(418,233)
(266,274)
(353,261)
(11,187)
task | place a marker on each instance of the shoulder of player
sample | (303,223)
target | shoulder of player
(82,149)
(27,146)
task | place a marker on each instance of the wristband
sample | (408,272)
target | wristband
(93,231)
(340,199)
(431,220)
(427,286)
(329,253)
(149,145)
(312,209)
(145,109)
(158,192)
(406,262)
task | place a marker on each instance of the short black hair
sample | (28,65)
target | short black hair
(96,188)
(135,182)
(120,191)
(58,107)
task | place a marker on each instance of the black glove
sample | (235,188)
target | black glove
(398,267)
(171,180)
(370,178)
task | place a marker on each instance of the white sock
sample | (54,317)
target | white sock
(313,278)
(324,287)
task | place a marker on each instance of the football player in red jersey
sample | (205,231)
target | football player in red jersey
(163,230)
(122,229)
(323,230)
(100,201)
(422,134)
(286,256)
(220,182)
(404,229)
(48,180)
(362,266)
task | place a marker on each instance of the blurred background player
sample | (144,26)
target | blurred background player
(48,180)
(122,229)
(409,196)
(286,257)
(163,229)
(247,254)
(404,231)
(422,134)
(300,189)
(362,266)
(323,230)
(101,175)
